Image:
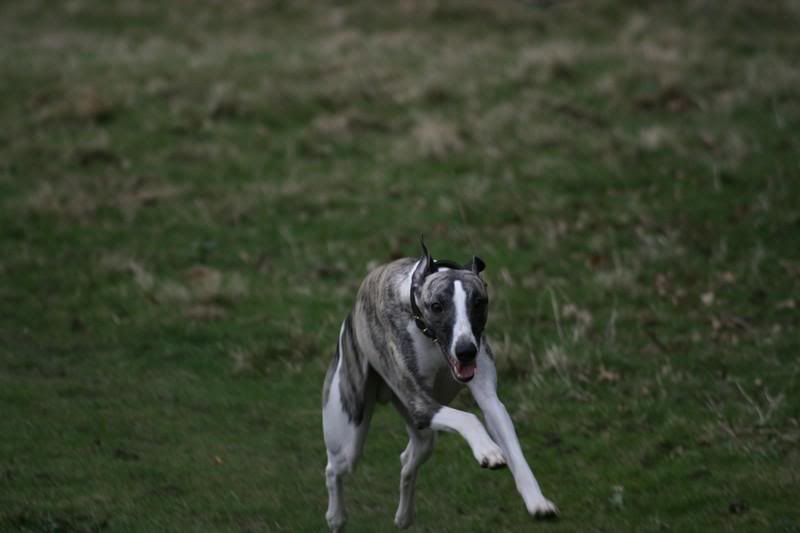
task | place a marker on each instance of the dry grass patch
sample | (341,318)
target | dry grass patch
(549,60)
(80,197)
(202,293)
(430,137)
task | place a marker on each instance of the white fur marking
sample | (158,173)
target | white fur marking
(484,390)
(462,326)
(484,449)
(405,286)
(334,417)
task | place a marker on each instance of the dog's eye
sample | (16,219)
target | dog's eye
(436,307)
(480,304)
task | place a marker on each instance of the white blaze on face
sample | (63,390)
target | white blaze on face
(461,326)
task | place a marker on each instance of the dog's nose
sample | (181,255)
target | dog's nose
(466,351)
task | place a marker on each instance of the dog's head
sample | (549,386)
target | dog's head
(452,303)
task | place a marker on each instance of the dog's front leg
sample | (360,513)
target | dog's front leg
(486,452)
(484,389)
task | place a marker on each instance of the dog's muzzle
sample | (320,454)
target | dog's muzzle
(464,362)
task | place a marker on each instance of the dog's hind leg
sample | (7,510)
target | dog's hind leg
(348,401)
(335,469)
(420,447)
(344,440)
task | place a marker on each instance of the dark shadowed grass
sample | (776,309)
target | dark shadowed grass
(190,194)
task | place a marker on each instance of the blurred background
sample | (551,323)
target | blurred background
(191,192)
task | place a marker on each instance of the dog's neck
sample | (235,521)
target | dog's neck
(419,321)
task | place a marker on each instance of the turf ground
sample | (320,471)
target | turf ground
(191,192)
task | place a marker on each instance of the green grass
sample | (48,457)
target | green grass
(191,192)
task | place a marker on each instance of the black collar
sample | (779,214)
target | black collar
(436,264)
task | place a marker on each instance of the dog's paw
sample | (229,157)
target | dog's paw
(489,455)
(336,520)
(542,509)
(403,520)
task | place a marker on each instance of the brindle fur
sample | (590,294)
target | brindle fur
(382,355)
(377,346)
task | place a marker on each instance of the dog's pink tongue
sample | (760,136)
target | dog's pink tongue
(465,371)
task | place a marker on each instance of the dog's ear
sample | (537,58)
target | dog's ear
(424,268)
(477,265)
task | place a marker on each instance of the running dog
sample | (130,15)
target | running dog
(415,337)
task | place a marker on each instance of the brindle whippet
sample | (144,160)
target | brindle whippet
(415,337)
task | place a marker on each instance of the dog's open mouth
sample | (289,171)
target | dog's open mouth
(462,371)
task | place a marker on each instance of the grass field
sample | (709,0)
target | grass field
(191,192)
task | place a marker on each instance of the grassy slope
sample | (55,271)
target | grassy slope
(190,195)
